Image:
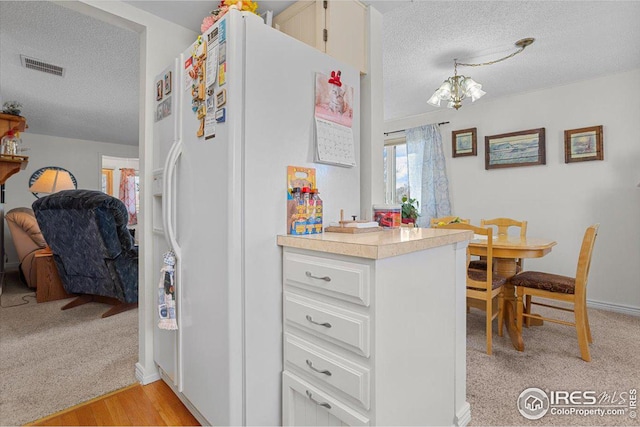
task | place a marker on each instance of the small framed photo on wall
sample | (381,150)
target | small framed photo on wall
(159,90)
(464,142)
(167,83)
(583,144)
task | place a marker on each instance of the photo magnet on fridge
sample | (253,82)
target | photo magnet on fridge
(221,98)
(221,115)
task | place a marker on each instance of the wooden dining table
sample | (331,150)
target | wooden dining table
(506,250)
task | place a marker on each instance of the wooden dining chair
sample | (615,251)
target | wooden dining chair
(502,225)
(560,288)
(484,285)
(447,220)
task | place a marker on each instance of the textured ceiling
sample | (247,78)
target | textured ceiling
(97,99)
(575,40)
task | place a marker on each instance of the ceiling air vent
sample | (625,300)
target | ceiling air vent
(38,65)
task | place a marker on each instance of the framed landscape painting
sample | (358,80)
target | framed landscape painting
(524,148)
(583,144)
(464,142)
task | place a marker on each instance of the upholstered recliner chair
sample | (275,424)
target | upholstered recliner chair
(27,239)
(92,247)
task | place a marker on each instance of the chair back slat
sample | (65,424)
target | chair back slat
(584,260)
(503,225)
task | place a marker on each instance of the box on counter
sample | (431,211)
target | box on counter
(304,206)
(389,216)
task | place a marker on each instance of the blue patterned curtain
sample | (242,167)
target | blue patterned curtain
(427,173)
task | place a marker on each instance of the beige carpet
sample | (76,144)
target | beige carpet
(52,359)
(551,361)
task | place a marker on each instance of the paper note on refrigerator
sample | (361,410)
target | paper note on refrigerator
(334,143)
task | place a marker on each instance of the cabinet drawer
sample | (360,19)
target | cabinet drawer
(337,325)
(339,279)
(329,368)
(305,405)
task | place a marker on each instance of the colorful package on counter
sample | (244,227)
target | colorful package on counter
(304,206)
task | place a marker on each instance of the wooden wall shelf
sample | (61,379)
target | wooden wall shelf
(9,121)
(10,165)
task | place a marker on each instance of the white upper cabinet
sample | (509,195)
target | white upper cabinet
(336,27)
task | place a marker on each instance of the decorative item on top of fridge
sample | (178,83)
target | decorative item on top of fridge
(304,206)
(223,8)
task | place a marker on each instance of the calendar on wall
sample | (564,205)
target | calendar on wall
(334,117)
(334,143)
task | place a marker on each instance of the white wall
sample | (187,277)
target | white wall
(371,104)
(160,42)
(81,158)
(559,200)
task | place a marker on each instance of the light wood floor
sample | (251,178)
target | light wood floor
(150,405)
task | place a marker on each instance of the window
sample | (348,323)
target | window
(396,172)
(107,181)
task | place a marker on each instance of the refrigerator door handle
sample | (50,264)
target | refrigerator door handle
(168,199)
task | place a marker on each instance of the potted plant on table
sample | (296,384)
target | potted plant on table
(410,212)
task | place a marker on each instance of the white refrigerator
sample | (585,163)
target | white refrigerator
(221,202)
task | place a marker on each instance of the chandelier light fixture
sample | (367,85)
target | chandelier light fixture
(459,87)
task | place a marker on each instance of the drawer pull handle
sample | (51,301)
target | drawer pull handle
(311,276)
(310,319)
(313,368)
(325,404)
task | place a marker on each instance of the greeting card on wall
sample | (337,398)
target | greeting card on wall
(334,119)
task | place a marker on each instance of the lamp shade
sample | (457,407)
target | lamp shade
(472,89)
(52,181)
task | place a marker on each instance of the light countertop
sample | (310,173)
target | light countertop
(376,245)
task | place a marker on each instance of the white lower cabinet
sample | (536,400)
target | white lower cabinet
(348,379)
(374,341)
(306,405)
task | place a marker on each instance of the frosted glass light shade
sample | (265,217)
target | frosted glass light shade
(435,99)
(442,93)
(52,181)
(472,89)
(455,89)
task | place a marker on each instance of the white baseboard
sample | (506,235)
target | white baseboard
(144,377)
(463,417)
(617,308)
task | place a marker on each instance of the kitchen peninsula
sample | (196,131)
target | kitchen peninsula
(375,328)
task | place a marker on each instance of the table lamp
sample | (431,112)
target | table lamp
(52,181)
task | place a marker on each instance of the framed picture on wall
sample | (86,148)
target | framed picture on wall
(167,83)
(583,144)
(464,142)
(524,148)
(159,90)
